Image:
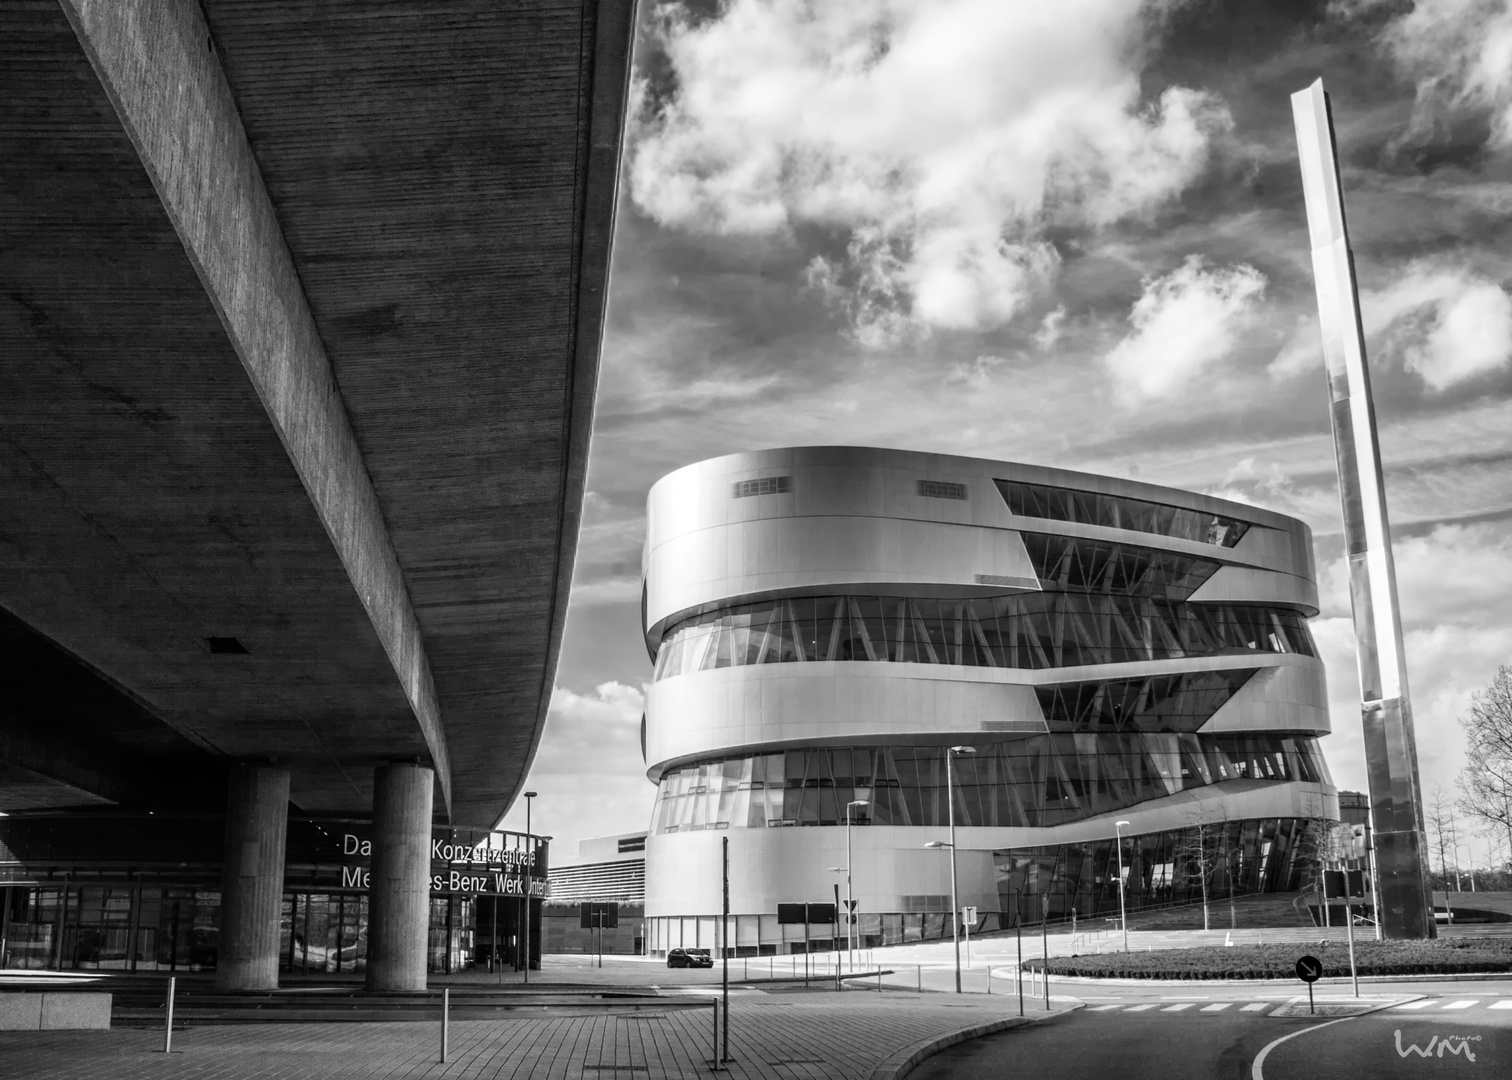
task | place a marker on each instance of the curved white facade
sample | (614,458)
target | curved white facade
(826,621)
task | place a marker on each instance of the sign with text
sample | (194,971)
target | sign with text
(466,861)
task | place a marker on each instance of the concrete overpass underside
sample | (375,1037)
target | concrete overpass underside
(299,336)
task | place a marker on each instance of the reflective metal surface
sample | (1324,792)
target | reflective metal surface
(1390,748)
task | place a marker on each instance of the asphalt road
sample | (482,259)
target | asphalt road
(1465,1029)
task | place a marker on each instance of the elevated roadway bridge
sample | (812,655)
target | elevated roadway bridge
(299,331)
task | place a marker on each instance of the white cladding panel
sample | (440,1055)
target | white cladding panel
(856,515)
(708,713)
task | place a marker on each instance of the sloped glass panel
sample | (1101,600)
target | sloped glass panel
(1119,512)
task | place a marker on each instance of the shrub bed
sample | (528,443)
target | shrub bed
(1442,956)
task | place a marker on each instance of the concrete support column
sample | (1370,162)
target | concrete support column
(399,890)
(252,875)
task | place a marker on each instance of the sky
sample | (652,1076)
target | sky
(1070,235)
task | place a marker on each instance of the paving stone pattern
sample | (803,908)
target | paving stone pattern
(778,1037)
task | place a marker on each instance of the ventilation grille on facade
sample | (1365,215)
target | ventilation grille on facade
(926,902)
(767,485)
(941,489)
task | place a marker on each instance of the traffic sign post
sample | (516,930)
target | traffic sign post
(1045,943)
(1309,970)
(1018,926)
(1344,884)
(968,920)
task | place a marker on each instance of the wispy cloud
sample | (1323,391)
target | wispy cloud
(1459,54)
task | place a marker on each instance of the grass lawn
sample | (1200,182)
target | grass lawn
(1442,956)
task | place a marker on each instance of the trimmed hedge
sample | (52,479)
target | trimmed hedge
(1442,956)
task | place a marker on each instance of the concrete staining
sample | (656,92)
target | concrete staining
(397,278)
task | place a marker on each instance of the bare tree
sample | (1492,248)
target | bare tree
(1318,845)
(1440,821)
(1486,781)
(1201,851)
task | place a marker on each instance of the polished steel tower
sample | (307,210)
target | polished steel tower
(1406,906)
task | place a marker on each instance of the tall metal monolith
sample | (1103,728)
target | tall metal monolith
(1396,802)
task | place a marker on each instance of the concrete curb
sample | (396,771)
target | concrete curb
(1477,976)
(900,1064)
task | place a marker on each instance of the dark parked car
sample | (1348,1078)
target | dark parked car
(690,958)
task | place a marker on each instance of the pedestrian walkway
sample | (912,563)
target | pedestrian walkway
(772,1037)
(1423,1005)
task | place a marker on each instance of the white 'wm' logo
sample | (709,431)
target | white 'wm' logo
(1445,1044)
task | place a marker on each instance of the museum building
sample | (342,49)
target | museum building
(1113,674)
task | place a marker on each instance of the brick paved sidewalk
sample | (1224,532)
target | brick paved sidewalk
(772,1037)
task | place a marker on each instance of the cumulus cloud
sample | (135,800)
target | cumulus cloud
(1182,323)
(1444,322)
(1447,323)
(1459,54)
(938,138)
(588,770)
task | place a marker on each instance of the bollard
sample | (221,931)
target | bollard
(879,978)
(168,1031)
(919,970)
(445,1021)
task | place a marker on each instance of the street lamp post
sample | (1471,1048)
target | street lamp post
(1123,912)
(850,903)
(955,928)
(529,874)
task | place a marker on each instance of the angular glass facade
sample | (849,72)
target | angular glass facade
(1181,702)
(1119,512)
(1249,857)
(1072,564)
(1036,781)
(1023,630)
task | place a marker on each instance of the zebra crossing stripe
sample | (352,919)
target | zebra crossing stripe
(1255,1006)
(1462,1004)
(1504,1003)
(1140,1008)
(1177,1008)
(1423,1004)
(1105,1008)
(1218,1007)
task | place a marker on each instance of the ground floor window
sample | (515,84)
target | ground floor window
(159,928)
(1212,856)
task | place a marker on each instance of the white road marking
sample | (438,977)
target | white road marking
(1177,1008)
(1462,1004)
(1422,1004)
(1140,1008)
(1219,1007)
(1505,1003)
(1104,1008)
(1256,1006)
(1256,1070)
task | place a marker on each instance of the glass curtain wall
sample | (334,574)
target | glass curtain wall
(1162,869)
(1032,782)
(1026,630)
